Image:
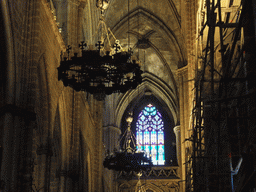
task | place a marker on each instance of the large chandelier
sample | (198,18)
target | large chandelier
(100,75)
(102,71)
(129,158)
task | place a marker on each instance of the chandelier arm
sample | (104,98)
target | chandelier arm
(133,139)
(114,37)
(106,30)
(126,140)
(102,29)
(122,136)
(133,144)
(112,33)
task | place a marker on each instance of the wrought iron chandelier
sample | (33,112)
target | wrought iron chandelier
(106,70)
(100,75)
(129,159)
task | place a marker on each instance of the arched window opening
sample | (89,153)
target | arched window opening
(150,134)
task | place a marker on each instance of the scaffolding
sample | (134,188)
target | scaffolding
(221,156)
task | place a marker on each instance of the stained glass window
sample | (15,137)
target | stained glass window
(150,134)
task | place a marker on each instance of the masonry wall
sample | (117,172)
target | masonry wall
(51,135)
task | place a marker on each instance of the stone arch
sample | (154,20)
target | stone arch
(43,100)
(86,173)
(63,124)
(157,24)
(174,7)
(41,134)
(125,187)
(7,53)
(56,159)
(159,89)
(151,187)
(167,93)
(170,141)
(7,89)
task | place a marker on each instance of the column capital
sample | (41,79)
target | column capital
(176,129)
(182,71)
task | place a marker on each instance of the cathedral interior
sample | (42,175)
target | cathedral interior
(189,105)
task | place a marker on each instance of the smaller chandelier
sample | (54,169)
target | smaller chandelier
(102,5)
(100,74)
(129,159)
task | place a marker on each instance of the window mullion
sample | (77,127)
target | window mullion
(150,151)
(151,120)
(143,141)
(157,154)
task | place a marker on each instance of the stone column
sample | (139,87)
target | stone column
(62,182)
(111,138)
(80,21)
(176,130)
(182,75)
(9,97)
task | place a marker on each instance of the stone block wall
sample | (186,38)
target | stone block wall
(59,150)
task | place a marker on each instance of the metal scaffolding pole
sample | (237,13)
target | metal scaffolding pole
(220,97)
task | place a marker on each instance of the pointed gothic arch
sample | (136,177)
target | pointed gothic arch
(56,159)
(158,24)
(7,52)
(150,131)
(152,187)
(43,98)
(159,89)
(137,106)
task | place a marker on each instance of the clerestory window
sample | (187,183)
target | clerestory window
(150,134)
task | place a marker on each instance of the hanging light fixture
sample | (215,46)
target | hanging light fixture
(102,5)
(103,71)
(129,158)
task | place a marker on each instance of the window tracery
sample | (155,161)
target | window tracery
(150,134)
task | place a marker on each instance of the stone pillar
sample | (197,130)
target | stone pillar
(182,75)
(176,130)
(6,157)
(62,183)
(9,96)
(111,137)
(80,21)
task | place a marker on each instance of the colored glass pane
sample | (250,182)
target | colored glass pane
(150,134)
(161,154)
(160,137)
(146,137)
(153,138)
(147,149)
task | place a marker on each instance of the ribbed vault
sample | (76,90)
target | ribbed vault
(160,59)
(153,85)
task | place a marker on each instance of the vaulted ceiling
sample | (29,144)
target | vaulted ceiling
(153,30)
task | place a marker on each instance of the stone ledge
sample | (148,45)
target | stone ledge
(157,172)
(53,24)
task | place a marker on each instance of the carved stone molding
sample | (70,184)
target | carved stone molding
(155,173)
(182,71)
(176,129)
